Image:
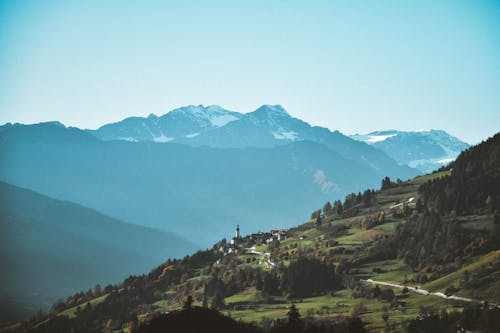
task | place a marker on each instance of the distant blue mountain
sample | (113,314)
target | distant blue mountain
(51,249)
(424,150)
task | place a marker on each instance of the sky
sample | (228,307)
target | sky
(353,66)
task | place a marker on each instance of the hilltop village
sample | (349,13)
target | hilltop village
(248,245)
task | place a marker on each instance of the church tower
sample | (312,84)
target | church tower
(237,231)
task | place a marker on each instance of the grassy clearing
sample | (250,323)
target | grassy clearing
(71,312)
(248,296)
(262,248)
(353,237)
(388,227)
(422,179)
(393,271)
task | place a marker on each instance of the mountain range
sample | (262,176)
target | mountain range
(271,125)
(423,150)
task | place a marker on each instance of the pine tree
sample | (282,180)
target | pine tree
(319,222)
(293,317)
(327,208)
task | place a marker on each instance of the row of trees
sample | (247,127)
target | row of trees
(338,209)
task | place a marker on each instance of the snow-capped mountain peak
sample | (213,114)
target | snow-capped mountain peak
(272,125)
(425,150)
(212,115)
(271,111)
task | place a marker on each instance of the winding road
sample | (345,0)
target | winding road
(426,292)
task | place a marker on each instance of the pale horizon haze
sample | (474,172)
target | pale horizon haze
(353,66)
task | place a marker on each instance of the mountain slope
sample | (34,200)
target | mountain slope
(50,249)
(197,191)
(186,122)
(424,150)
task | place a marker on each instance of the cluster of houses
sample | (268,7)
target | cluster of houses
(258,238)
(267,237)
(247,244)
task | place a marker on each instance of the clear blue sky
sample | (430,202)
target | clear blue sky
(355,66)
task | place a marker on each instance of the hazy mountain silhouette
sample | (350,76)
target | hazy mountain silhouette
(51,249)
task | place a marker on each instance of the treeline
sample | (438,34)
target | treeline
(474,183)
(302,278)
(346,208)
(352,202)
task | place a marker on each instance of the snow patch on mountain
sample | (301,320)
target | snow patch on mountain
(210,116)
(162,138)
(282,134)
(129,139)
(219,121)
(379,138)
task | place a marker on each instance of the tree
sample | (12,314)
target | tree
(88,307)
(188,303)
(368,197)
(218,301)
(419,205)
(97,291)
(327,208)
(315,214)
(387,295)
(318,221)
(387,183)
(338,208)
(293,317)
